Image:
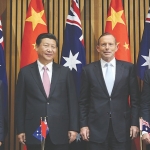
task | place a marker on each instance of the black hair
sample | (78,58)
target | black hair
(46,35)
(104,34)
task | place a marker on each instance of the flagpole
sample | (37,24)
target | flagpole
(42,142)
(141,146)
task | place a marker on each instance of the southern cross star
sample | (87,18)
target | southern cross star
(72,61)
(147,58)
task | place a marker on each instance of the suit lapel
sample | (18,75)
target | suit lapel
(55,75)
(99,75)
(37,77)
(119,73)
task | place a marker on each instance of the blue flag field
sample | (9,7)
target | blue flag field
(143,62)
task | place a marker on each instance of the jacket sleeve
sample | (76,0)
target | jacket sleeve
(72,103)
(134,97)
(20,103)
(84,99)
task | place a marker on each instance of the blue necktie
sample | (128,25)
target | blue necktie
(109,80)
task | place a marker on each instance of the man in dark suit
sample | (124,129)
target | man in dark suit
(107,120)
(145,105)
(1,117)
(58,104)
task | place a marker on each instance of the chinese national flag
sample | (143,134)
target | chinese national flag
(116,25)
(43,129)
(35,24)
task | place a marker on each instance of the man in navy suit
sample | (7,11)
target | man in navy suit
(107,120)
(60,106)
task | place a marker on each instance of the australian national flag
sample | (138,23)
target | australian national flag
(73,53)
(145,126)
(3,78)
(41,131)
(143,62)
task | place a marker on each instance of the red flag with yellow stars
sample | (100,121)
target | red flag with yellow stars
(116,25)
(35,24)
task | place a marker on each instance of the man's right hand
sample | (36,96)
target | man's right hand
(146,138)
(22,138)
(84,131)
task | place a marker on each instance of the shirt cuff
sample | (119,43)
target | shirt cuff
(144,132)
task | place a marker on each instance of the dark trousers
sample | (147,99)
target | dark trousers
(148,147)
(110,143)
(2,147)
(48,146)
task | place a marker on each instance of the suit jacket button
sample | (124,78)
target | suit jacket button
(47,103)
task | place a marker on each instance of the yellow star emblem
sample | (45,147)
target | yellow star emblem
(34,45)
(115,17)
(126,46)
(36,18)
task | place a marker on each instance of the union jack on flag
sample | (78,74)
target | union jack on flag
(1,35)
(143,62)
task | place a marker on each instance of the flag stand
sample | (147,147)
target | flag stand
(140,120)
(42,144)
(41,132)
(141,148)
(42,141)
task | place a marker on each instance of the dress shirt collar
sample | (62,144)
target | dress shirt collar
(40,65)
(112,62)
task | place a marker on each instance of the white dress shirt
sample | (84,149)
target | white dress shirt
(41,70)
(112,64)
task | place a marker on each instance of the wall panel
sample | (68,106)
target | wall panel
(93,19)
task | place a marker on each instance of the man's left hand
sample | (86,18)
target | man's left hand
(72,136)
(134,130)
